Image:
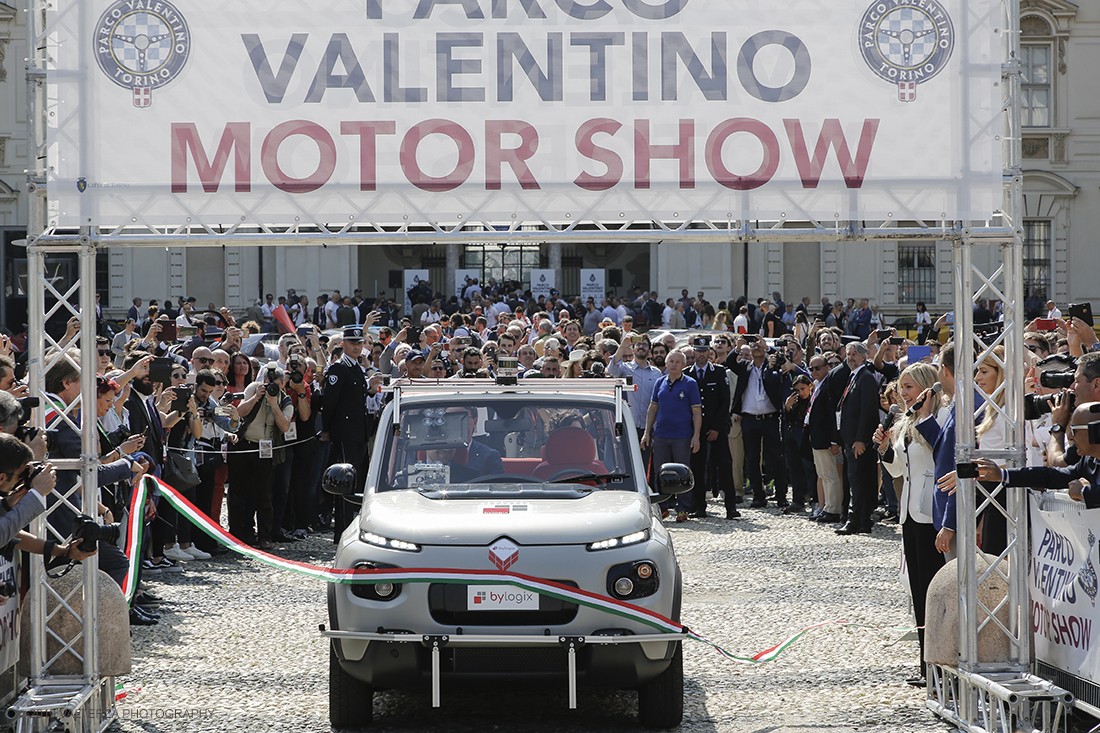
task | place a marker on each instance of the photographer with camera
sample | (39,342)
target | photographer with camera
(266,412)
(1043,386)
(22,483)
(290,498)
(1082,478)
(1084,387)
(216,420)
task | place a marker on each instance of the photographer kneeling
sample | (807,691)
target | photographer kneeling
(266,412)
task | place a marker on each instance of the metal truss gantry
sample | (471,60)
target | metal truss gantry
(978,697)
(995,696)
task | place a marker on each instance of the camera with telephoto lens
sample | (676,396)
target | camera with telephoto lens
(272,386)
(296,368)
(90,533)
(25,432)
(1037,405)
(1057,380)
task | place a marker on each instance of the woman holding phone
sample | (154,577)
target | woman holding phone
(906,454)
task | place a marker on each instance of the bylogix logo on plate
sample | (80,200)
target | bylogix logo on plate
(142,45)
(906,42)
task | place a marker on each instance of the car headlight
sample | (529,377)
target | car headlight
(379,541)
(627,539)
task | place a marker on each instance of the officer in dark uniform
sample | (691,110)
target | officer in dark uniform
(344,417)
(712,463)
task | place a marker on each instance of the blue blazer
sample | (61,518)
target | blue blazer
(942,440)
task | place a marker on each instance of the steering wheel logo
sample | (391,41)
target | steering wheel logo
(142,46)
(906,44)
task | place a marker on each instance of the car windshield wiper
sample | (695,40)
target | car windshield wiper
(589,477)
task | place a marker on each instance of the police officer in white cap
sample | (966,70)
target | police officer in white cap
(344,416)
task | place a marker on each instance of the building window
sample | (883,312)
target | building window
(503,262)
(1038,249)
(916,273)
(1035,81)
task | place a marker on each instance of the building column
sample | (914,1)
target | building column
(454,261)
(553,256)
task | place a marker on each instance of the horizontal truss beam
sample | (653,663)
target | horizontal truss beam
(313,236)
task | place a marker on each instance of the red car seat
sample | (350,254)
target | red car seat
(570,447)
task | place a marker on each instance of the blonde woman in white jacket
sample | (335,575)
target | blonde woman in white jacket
(906,454)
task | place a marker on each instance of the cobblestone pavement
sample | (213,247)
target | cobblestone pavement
(238,646)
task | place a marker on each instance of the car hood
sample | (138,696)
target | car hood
(407,515)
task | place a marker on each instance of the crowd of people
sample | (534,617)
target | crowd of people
(821,412)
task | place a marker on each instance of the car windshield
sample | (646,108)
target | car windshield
(494,443)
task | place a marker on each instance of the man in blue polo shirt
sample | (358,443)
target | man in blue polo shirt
(673,423)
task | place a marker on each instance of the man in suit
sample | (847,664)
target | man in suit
(344,417)
(858,418)
(821,440)
(135,311)
(758,400)
(712,465)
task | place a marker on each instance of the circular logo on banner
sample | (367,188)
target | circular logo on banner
(906,44)
(142,46)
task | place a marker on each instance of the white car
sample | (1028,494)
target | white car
(543,479)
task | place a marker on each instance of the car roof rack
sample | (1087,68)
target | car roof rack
(415,387)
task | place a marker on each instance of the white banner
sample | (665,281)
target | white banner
(9,615)
(592,286)
(542,282)
(412,279)
(464,278)
(1063,583)
(500,112)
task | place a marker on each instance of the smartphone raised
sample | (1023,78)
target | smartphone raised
(1082,311)
(1045,324)
(168,331)
(160,370)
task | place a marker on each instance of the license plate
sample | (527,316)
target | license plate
(500,598)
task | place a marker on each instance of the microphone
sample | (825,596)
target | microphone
(936,389)
(891,417)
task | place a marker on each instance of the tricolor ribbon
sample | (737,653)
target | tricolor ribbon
(135,535)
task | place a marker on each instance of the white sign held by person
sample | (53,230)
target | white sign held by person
(1063,580)
(500,112)
(592,286)
(412,279)
(464,278)
(542,282)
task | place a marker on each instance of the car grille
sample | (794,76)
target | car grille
(447,604)
(528,660)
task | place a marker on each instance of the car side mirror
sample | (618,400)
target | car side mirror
(339,479)
(674,478)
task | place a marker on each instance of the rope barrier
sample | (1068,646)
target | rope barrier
(371,576)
